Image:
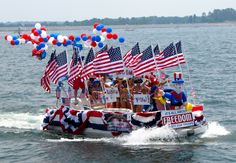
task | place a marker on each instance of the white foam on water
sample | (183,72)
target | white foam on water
(21,120)
(150,136)
(81,140)
(214,130)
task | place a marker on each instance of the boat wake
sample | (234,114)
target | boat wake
(20,120)
(214,130)
(152,136)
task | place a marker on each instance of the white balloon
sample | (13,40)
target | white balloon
(29,42)
(102,38)
(44,34)
(37,25)
(104,34)
(87,44)
(32,36)
(65,37)
(35,45)
(60,38)
(95,31)
(22,41)
(9,38)
(51,40)
(46,47)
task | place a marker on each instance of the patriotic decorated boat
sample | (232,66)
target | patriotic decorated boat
(118,93)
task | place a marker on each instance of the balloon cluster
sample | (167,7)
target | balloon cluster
(40,39)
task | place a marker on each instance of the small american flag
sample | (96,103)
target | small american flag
(156,50)
(146,64)
(88,65)
(101,60)
(169,58)
(116,62)
(61,68)
(66,101)
(45,80)
(75,67)
(129,57)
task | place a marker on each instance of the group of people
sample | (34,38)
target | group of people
(162,97)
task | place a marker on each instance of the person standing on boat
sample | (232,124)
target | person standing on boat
(177,97)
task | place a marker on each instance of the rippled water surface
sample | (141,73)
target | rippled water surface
(211,54)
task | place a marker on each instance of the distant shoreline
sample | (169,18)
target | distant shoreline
(127,27)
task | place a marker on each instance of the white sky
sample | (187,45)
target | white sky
(62,10)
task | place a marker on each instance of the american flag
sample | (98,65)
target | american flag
(156,50)
(101,60)
(146,64)
(75,67)
(116,62)
(131,56)
(169,58)
(60,69)
(88,65)
(45,80)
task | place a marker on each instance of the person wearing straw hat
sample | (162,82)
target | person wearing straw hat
(176,96)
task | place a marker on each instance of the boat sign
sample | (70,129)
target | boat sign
(177,118)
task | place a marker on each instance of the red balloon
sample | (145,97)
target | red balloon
(33,29)
(54,42)
(83,34)
(36,33)
(12,42)
(64,42)
(25,36)
(89,37)
(5,37)
(115,36)
(48,37)
(104,29)
(93,44)
(41,39)
(95,24)
(109,35)
(71,37)
(43,29)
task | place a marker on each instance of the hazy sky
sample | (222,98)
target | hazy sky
(61,10)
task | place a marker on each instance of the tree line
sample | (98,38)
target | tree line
(216,16)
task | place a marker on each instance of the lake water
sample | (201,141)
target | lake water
(211,54)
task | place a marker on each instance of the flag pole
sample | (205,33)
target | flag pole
(159,77)
(189,78)
(129,92)
(102,84)
(85,83)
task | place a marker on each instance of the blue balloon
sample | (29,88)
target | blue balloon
(98,38)
(100,44)
(65,45)
(80,46)
(77,39)
(17,42)
(43,55)
(52,35)
(109,30)
(39,31)
(58,44)
(84,38)
(45,39)
(38,47)
(99,27)
(42,45)
(55,35)
(68,42)
(93,38)
(14,37)
(121,39)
